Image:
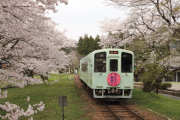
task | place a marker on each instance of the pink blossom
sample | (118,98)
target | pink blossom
(28,98)
(14,111)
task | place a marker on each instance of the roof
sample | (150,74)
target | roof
(2,61)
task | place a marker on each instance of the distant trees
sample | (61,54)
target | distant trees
(87,44)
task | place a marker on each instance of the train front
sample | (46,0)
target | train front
(113,74)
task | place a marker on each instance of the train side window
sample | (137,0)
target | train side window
(100,62)
(84,66)
(113,65)
(126,62)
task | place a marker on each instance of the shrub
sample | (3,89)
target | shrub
(165,85)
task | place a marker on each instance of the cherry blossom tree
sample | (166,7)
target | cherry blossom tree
(152,21)
(112,33)
(31,45)
(156,23)
(145,18)
(27,35)
(46,56)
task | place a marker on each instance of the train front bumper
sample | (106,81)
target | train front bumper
(112,93)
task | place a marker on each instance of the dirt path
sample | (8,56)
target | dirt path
(95,112)
(92,104)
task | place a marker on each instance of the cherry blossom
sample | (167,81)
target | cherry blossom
(54,82)
(4,94)
(14,111)
(31,45)
(28,98)
(151,21)
(144,19)
(29,39)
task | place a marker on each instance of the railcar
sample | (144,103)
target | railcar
(108,73)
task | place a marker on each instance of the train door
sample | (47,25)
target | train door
(113,65)
(90,72)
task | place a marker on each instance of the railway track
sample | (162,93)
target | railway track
(118,111)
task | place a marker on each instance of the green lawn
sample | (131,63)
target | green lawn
(48,94)
(162,82)
(174,82)
(158,103)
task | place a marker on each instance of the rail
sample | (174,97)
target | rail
(118,111)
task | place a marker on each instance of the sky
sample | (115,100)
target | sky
(81,17)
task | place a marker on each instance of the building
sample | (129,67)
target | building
(174,78)
(4,65)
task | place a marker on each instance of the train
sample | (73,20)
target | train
(108,73)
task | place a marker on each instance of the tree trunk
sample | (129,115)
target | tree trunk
(158,83)
(44,77)
(157,90)
(30,73)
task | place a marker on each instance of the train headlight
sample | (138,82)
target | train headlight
(104,61)
(96,91)
(100,91)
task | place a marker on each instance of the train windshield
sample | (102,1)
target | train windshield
(126,62)
(100,62)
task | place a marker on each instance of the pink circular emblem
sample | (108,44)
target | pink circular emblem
(113,79)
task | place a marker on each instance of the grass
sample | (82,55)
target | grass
(158,103)
(48,94)
(174,82)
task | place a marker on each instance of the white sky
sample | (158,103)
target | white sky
(81,17)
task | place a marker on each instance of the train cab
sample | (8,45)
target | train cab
(111,73)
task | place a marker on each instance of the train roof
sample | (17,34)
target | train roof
(111,49)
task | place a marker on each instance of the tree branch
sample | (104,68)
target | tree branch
(159,11)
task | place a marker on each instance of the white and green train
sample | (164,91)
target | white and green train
(108,73)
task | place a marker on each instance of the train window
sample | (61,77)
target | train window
(100,62)
(84,67)
(126,62)
(113,65)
